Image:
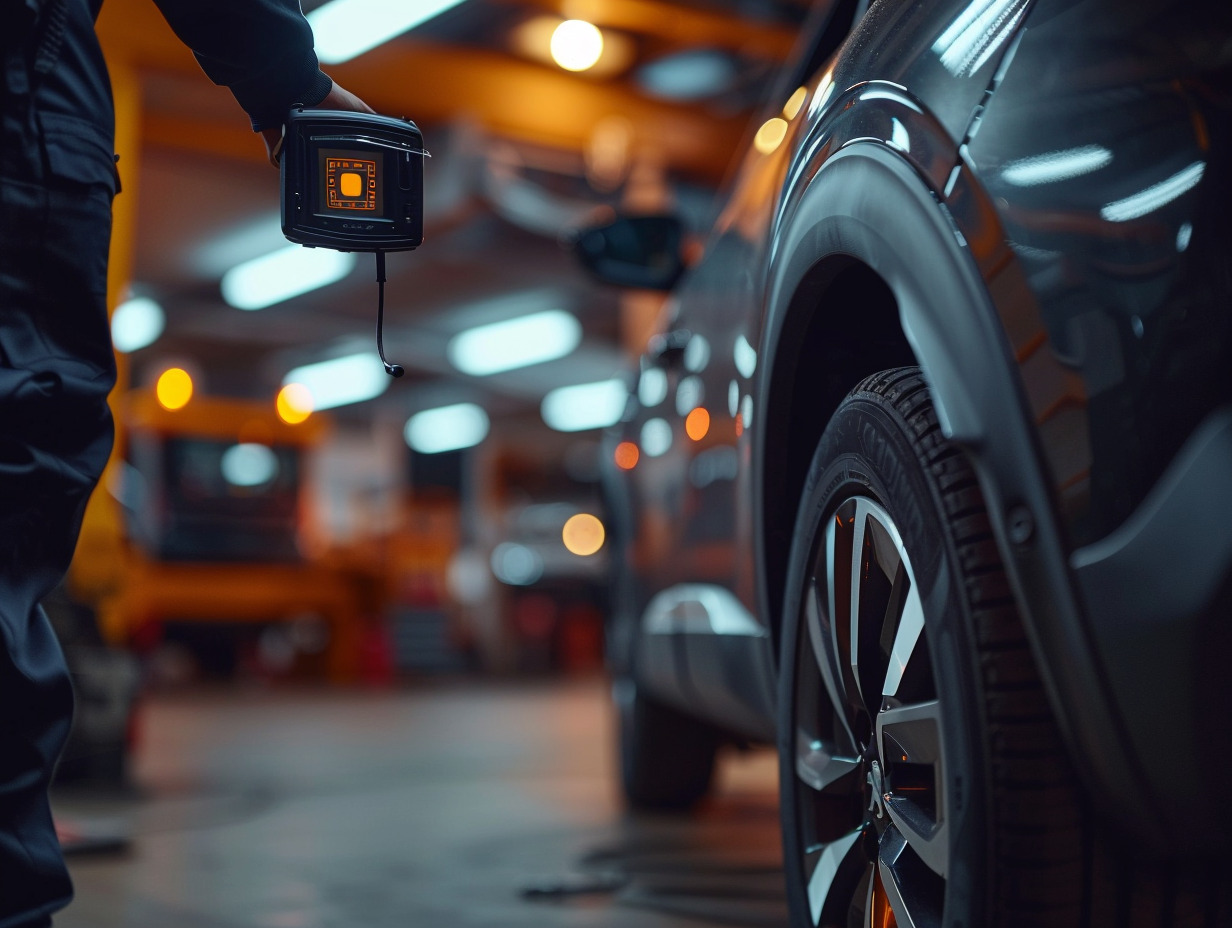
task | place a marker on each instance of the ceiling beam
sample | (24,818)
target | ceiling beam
(435,84)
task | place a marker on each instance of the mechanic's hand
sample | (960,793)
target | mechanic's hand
(338,98)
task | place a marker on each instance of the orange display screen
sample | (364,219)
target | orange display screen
(350,184)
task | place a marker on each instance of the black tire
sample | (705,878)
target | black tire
(1021,847)
(666,757)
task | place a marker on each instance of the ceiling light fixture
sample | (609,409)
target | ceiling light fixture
(283,274)
(345,29)
(577,45)
(585,406)
(514,343)
(446,428)
(341,381)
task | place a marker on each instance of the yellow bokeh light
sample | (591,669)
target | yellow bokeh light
(294,403)
(350,184)
(583,534)
(794,102)
(697,424)
(770,136)
(576,45)
(174,388)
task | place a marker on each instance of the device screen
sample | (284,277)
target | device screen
(351,183)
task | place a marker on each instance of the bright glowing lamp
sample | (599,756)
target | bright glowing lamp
(283,274)
(576,45)
(341,381)
(174,388)
(583,534)
(294,403)
(446,428)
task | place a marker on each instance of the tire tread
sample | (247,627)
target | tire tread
(1058,867)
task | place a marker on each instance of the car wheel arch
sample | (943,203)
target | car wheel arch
(867,214)
(867,204)
(837,237)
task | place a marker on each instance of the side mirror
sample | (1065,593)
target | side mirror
(642,252)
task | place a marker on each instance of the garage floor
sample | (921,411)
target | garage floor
(447,806)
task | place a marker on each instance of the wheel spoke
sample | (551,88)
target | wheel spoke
(912,909)
(826,870)
(819,764)
(857,587)
(911,735)
(910,625)
(916,728)
(825,647)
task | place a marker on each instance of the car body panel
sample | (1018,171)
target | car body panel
(1104,165)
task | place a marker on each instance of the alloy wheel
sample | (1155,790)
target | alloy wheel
(869,746)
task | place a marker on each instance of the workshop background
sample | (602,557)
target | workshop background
(338,638)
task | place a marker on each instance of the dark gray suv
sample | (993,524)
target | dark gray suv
(928,479)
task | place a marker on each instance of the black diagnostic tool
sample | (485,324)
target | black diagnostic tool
(353,182)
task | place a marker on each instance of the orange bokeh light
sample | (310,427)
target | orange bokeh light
(697,424)
(626,455)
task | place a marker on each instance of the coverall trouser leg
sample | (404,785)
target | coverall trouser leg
(56,369)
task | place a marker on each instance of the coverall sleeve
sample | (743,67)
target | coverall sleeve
(260,49)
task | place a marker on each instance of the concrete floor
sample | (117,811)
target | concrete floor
(432,806)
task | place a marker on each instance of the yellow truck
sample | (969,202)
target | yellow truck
(205,520)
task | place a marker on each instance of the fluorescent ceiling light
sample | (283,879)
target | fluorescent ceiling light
(137,323)
(1056,166)
(504,346)
(350,379)
(345,29)
(283,274)
(1155,196)
(585,406)
(446,428)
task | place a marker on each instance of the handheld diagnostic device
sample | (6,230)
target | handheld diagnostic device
(353,182)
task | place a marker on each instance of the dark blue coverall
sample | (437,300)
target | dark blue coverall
(57,180)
